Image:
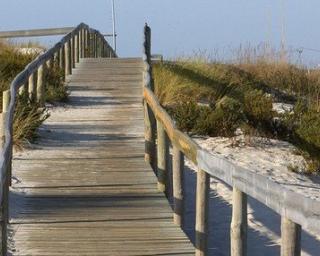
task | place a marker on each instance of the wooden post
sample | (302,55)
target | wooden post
(31,87)
(290,238)
(5,105)
(5,188)
(40,85)
(23,89)
(67,59)
(87,44)
(61,61)
(56,59)
(49,64)
(98,46)
(202,210)
(148,155)
(238,230)
(177,173)
(72,53)
(76,50)
(162,153)
(94,45)
(80,44)
(83,43)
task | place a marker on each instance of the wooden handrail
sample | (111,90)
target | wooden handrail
(66,53)
(297,210)
(36,32)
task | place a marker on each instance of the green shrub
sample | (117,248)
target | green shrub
(27,118)
(258,106)
(187,114)
(55,88)
(202,120)
(225,119)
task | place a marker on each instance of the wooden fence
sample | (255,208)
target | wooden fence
(296,210)
(81,42)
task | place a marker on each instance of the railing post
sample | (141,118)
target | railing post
(177,177)
(202,210)
(149,135)
(6,183)
(83,42)
(290,238)
(72,52)
(61,58)
(238,230)
(23,89)
(87,43)
(56,59)
(31,87)
(162,154)
(76,50)
(40,85)
(80,44)
(67,58)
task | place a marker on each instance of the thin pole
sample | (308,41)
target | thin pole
(114,27)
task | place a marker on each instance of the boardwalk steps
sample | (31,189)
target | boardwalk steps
(84,188)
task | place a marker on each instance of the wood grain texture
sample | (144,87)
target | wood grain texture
(84,188)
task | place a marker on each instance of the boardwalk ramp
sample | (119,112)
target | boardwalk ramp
(84,188)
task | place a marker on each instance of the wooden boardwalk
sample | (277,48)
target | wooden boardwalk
(84,188)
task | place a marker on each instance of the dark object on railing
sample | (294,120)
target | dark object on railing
(296,210)
(82,42)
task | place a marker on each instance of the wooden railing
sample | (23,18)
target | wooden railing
(82,42)
(296,210)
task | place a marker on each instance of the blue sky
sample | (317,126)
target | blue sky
(180,27)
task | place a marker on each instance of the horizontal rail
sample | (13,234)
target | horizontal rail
(36,32)
(297,210)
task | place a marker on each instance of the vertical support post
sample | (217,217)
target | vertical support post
(76,50)
(73,65)
(62,61)
(162,153)
(31,87)
(40,85)
(67,59)
(202,210)
(290,238)
(80,43)
(83,42)
(177,173)
(23,89)
(56,59)
(6,183)
(238,230)
(149,136)
(87,43)
(5,105)
(94,45)
(49,64)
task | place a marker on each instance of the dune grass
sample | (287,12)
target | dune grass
(215,99)
(28,117)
